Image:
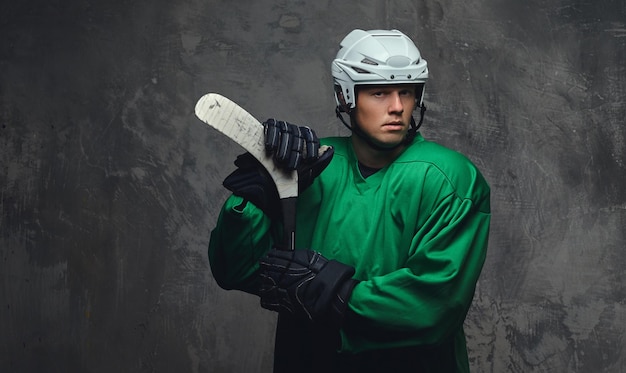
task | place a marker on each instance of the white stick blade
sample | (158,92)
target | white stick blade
(233,121)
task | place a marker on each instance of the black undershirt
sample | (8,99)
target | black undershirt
(367,171)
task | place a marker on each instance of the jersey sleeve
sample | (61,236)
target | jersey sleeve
(425,301)
(242,235)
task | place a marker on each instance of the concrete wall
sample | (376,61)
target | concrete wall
(109,186)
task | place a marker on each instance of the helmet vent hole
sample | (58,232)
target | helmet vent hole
(367,61)
(359,70)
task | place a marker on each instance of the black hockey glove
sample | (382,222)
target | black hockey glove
(291,145)
(251,180)
(303,282)
(297,148)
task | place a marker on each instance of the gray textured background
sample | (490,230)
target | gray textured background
(109,185)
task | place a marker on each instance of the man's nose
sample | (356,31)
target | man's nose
(396,105)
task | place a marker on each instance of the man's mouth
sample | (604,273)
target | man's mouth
(394,125)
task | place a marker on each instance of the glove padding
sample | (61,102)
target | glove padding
(251,180)
(291,145)
(304,282)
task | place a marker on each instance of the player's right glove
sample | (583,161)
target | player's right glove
(293,148)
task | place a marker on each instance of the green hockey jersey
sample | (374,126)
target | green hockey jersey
(416,232)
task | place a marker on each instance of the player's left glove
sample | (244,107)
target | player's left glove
(303,282)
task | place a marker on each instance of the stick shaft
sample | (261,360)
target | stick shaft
(288,206)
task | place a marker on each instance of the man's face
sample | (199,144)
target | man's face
(384,112)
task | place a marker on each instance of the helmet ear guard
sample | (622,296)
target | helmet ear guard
(342,106)
(419,95)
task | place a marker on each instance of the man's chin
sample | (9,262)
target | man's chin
(390,141)
(389,144)
(383,143)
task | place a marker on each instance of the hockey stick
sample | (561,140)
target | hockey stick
(237,124)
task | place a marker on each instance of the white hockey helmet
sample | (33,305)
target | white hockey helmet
(376,57)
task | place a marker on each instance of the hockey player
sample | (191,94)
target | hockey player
(392,229)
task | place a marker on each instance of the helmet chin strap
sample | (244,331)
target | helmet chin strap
(407,140)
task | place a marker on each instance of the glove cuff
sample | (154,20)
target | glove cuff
(339,305)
